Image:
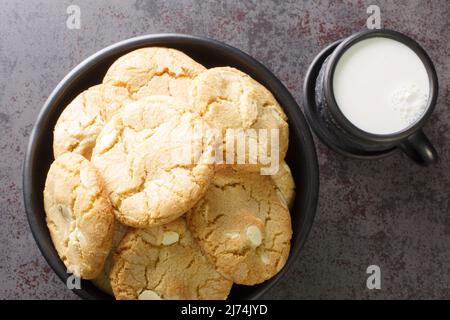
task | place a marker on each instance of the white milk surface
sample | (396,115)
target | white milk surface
(381,86)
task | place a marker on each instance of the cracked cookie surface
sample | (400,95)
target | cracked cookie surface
(227,98)
(78,214)
(164,262)
(155,163)
(82,120)
(154,71)
(243,226)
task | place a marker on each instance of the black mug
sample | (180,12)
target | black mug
(412,140)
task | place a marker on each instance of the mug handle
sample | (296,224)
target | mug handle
(419,148)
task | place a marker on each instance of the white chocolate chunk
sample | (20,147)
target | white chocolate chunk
(149,295)
(66,213)
(254,235)
(233,235)
(170,237)
(264,257)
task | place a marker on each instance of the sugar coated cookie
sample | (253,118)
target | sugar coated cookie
(154,160)
(164,262)
(78,214)
(154,71)
(242,226)
(230,99)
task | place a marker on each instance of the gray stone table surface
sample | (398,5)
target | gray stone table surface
(388,212)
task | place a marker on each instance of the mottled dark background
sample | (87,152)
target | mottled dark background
(388,212)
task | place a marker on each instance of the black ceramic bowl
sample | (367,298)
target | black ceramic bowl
(301,154)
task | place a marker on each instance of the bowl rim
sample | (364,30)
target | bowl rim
(166,39)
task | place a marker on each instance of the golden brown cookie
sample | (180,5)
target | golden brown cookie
(102,280)
(230,99)
(155,164)
(164,262)
(82,120)
(78,214)
(285,183)
(242,226)
(154,71)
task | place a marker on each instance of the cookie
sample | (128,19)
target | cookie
(285,183)
(155,164)
(102,280)
(82,120)
(154,71)
(164,262)
(230,99)
(242,226)
(78,214)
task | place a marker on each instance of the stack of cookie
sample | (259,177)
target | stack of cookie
(128,208)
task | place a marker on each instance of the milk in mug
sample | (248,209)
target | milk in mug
(381,86)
